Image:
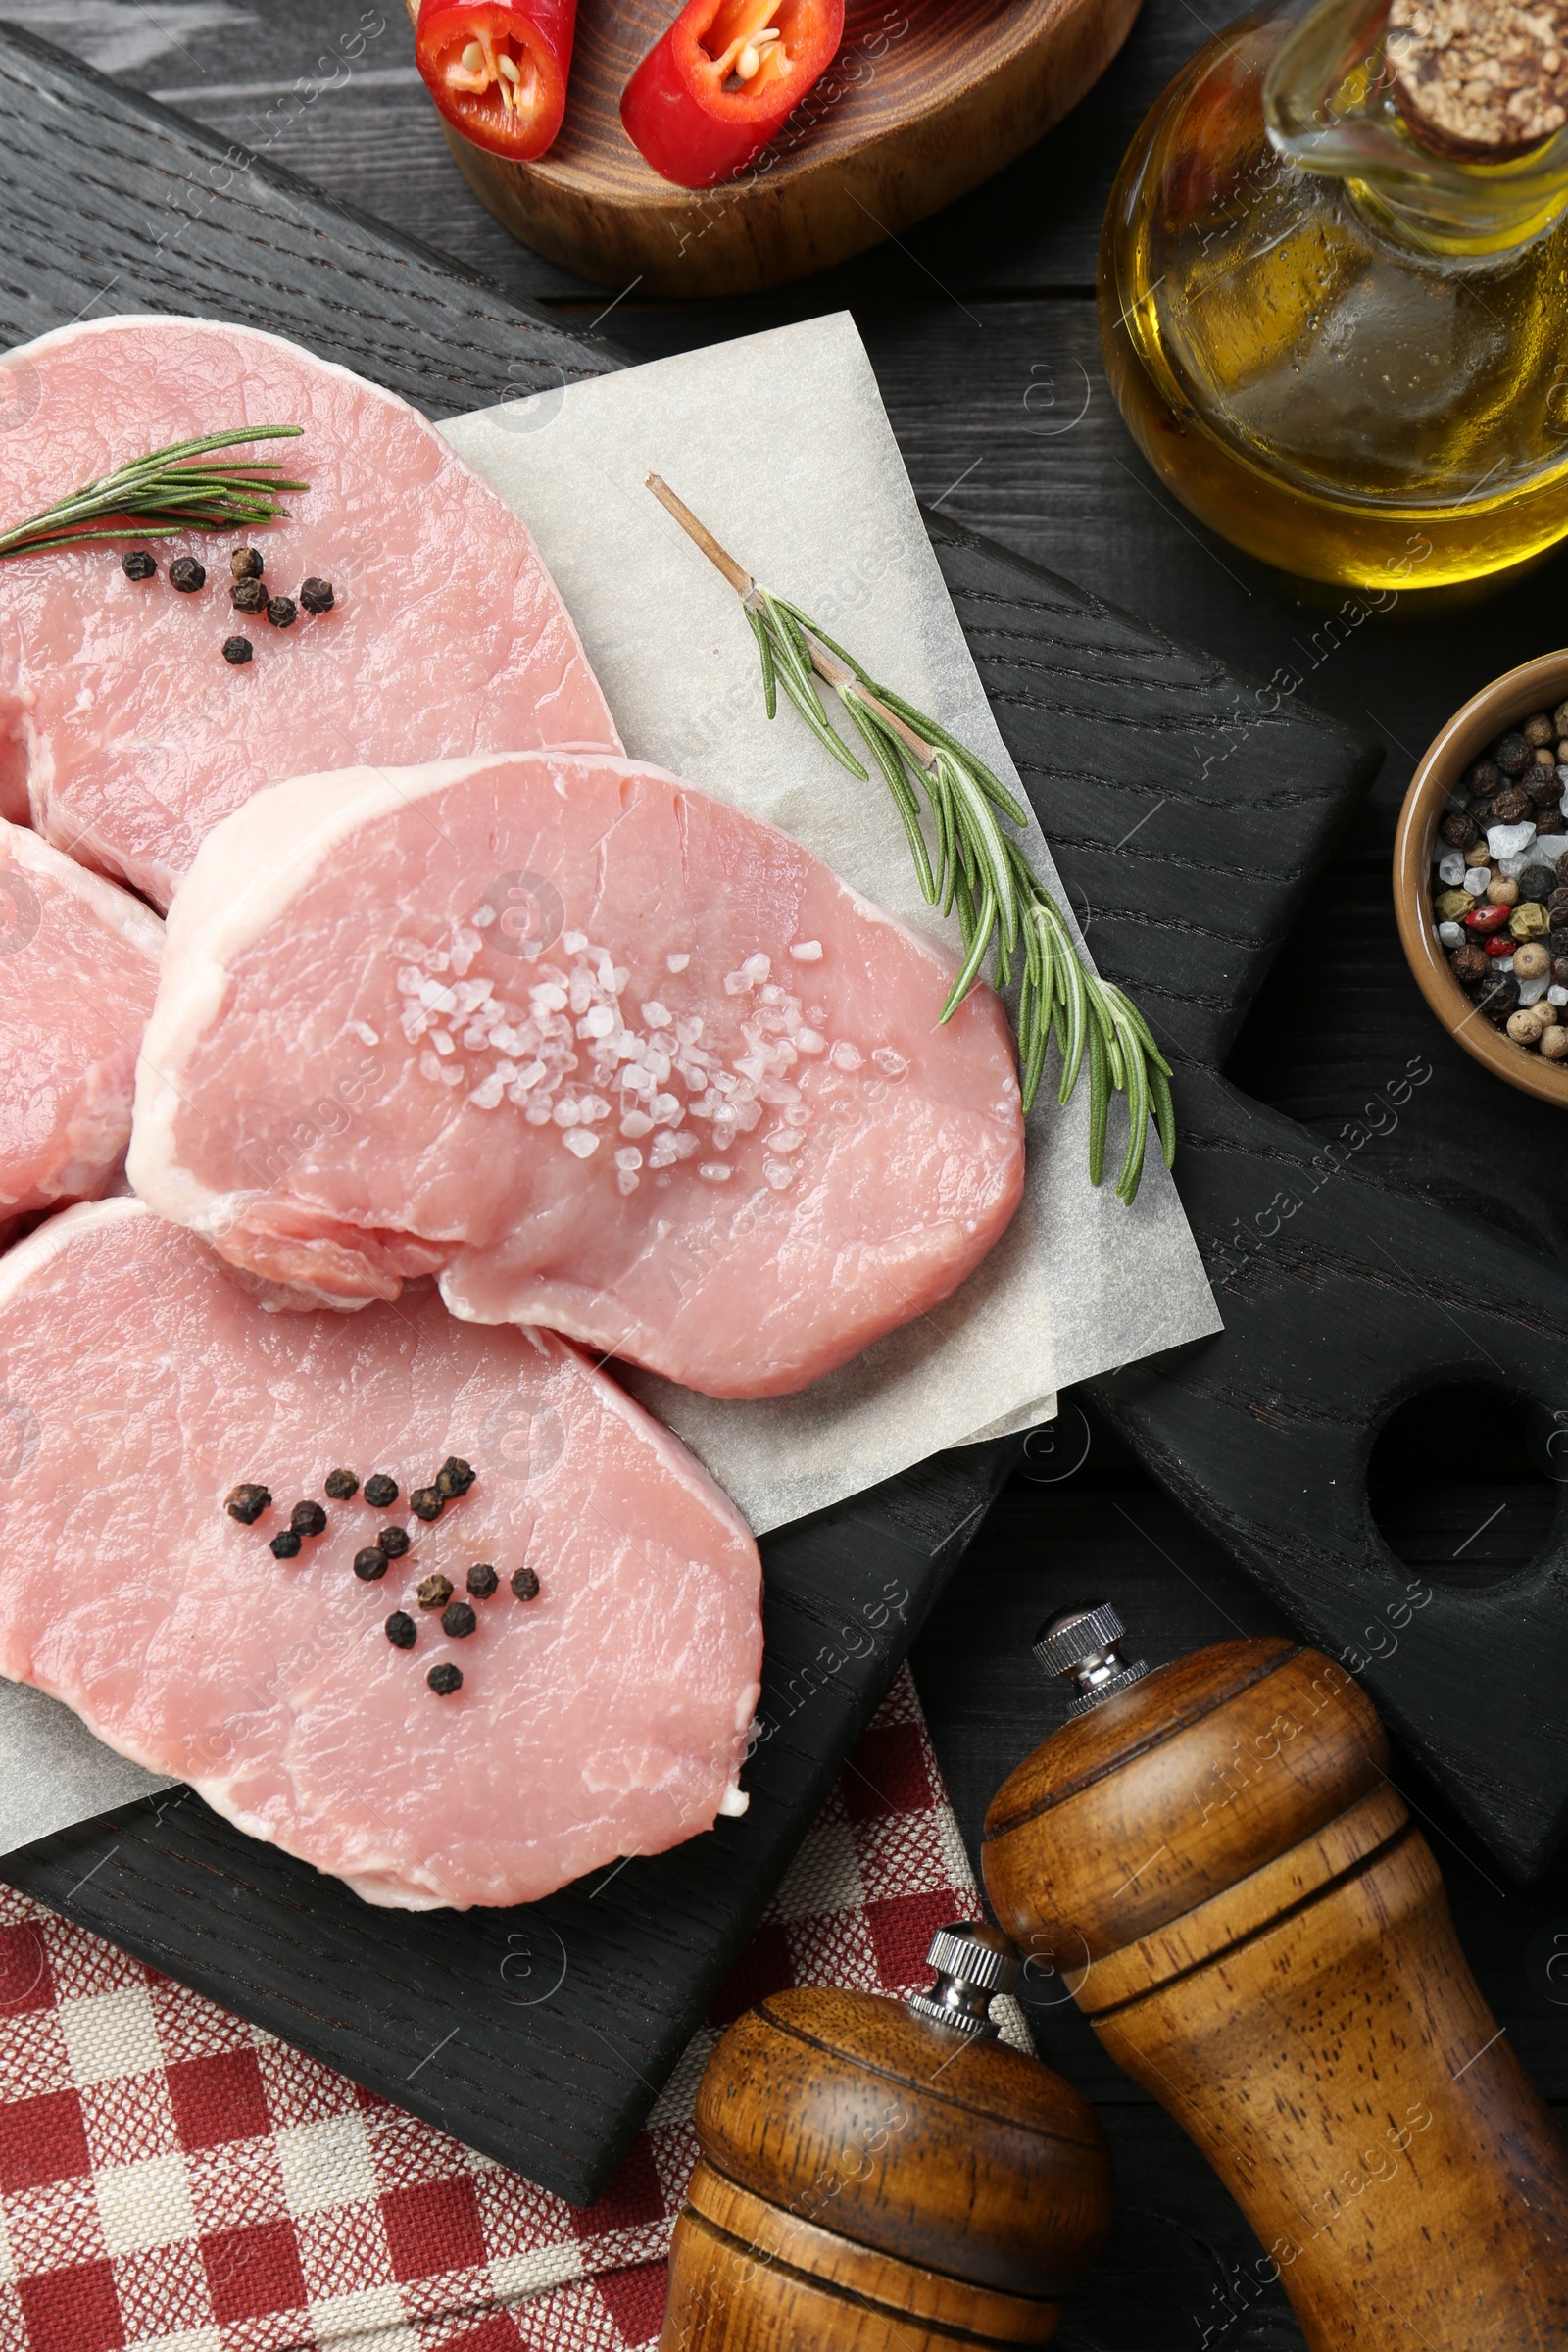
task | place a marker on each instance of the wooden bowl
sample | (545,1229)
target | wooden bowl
(1538,685)
(926,99)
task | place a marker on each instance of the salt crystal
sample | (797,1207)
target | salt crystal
(662,1152)
(581,1142)
(1451,934)
(565,1114)
(600,1022)
(1450,867)
(846,1057)
(452,1073)
(736,984)
(785,1138)
(574,942)
(781,1175)
(442,1043)
(1556,994)
(685,1145)
(488,1092)
(715,1171)
(1507,840)
(665,1110)
(410,979)
(689,1032)
(890,1061)
(626,1182)
(806,950)
(1476,878)
(629,1157)
(676,963)
(436,996)
(1530,989)
(636,1122)
(592,1109)
(798,1115)
(657,1016)
(549,997)
(366,1034)
(416,1021)
(430,1068)
(537,1113)
(810,1041)
(530,1076)
(484,916)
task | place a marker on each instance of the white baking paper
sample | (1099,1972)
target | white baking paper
(781,444)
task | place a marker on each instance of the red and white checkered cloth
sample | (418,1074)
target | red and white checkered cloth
(173,2180)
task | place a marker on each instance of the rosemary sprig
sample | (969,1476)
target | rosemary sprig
(979,871)
(159,494)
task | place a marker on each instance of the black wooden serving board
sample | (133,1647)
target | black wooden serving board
(542,2035)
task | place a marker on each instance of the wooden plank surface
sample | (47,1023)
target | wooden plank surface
(981,328)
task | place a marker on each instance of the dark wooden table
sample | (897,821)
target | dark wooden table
(982,330)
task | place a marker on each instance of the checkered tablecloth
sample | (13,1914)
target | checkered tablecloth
(173,2180)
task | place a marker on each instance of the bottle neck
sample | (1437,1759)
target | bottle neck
(1330,107)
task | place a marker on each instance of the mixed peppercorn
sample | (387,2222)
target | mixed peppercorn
(1500,890)
(248,592)
(308,1520)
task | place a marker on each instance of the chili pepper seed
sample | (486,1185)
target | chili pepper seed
(434,1592)
(237,650)
(444,1679)
(307,1519)
(425,1504)
(138,565)
(455,1477)
(401,1630)
(481,1580)
(246,1503)
(394,1541)
(285,1544)
(380,1490)
(187,576)
(525,1583)
(341,1486)
(370,1564)
(457,1620)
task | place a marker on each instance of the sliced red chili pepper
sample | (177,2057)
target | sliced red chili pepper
(726,77)
(498,72)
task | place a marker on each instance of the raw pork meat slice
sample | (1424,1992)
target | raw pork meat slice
(119,719)
(79,968)
(607,1716)
(627,1064)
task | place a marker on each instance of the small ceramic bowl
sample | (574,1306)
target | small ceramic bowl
(1539,685)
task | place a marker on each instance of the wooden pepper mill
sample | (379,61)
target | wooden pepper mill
(1214,1859)
(880,2176)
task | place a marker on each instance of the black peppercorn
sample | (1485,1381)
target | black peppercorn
(237,650)
(1512,806)
(282,611)
(1482,779)
(1556,901)
(1559,971)
(317,596)
(434,1592)
(1459,830)
(1562,864)
(341,1486)
(138,565)
(444,1679)
(401,1630)
(481,1580)
(455,1477)
(1513,753)
(426,1503)
(187,576)
(1470,965)
(394,1541)
(307,1519)
(1497,997)
(380,1490)
(1535,882)
(248,596)
(246,563)
(526,1584)
(285,1545)
(370,1565)
(457,1620)
(1543,787)
(246,1503)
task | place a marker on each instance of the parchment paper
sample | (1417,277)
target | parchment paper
(781,444)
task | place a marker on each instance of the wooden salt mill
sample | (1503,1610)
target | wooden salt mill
(880,2176)
(1214,1857)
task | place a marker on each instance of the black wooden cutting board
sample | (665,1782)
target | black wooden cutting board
(111,204)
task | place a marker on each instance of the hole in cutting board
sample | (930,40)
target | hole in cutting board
(1456,1487)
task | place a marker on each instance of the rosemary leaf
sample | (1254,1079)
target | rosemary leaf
(163,494)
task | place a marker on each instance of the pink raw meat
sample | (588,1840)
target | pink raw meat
(625,1062)
(78,967)
(605,1717)
(121,723)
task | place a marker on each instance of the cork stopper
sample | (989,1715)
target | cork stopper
(1480,78)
